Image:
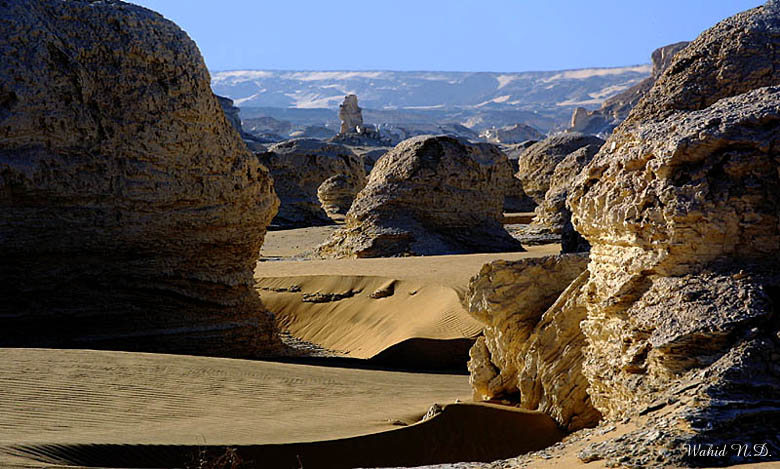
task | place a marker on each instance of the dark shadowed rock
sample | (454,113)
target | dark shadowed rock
(429,195)
(298,168)
(131,213)
(535,166)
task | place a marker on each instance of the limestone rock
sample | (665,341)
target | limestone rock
(535,166)
(298,168)
(510,134)
(680,207)
(351,115)
(552,213)
(429,195)
(131,213)
(337,193)
(532,344)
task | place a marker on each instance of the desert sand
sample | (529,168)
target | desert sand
(119,409)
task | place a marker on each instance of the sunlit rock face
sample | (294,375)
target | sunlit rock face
(429,195)
(531,348)
(682,209)
(131,213)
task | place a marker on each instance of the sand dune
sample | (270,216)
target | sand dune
(78,406)
(362,307)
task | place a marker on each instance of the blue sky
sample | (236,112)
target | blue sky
(451,35)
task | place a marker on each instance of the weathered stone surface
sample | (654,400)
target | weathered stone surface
(535,166)
(351,115)
(681,207)
(532,344)
(298,168)
(131,213)
(337,193)
(511,134)
(429,195)
(552,213)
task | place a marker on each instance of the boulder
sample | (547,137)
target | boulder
(298,168)
(131,213)
(429,195)
(680,207)
(531,350)
(535,166)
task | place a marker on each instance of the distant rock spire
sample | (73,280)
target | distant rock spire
(351,115)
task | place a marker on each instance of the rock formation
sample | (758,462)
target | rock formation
(515,199)
(131,213)
(517,133)
(298,168)
(552,213)
(351,115)
(337,193)
(429,195)
(681,210)
(615,109)
(535,166)
(532,344)
(231,112)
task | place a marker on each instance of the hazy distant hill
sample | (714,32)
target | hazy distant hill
(474,99)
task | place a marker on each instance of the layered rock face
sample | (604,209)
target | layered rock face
(298,168)
(429,195)
(682,210)
(531,350)
(535,166)
(131,213)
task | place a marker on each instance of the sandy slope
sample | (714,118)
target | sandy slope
(361,307)
(65,403)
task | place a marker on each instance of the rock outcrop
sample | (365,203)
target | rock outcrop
(131,214)
(512,134)
(231,113)
(531,350)
(515,199)
(535,166)
(615,109)
(429,195)
(351,115)
(298,168)
(681,210)
(552,213)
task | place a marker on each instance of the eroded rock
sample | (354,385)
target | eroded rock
(681,210)
(298,168)
(532,345)
(429,195)
(131,213)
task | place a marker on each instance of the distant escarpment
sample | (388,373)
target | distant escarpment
(678,310)
(615,109)
(429,195)
(131,214)
(299,167)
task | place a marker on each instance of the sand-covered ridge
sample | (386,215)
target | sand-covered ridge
(60,406)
